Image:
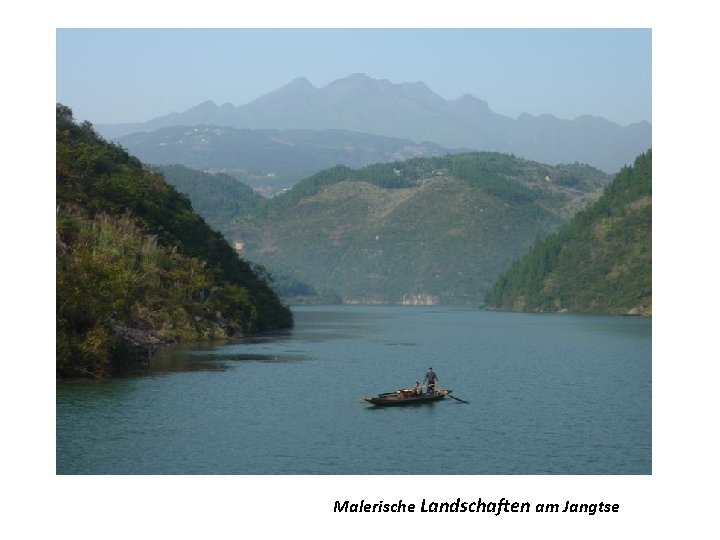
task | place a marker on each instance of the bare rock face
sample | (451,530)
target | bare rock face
(132,348)
(419,300)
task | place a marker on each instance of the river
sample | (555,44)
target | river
(547,393)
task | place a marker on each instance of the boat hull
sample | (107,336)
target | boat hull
(396,400)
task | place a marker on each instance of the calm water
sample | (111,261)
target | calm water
(549,394)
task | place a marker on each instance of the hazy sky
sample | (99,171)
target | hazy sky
(118,75)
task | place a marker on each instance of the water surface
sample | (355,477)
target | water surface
(548,393)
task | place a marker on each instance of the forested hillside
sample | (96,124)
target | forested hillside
(218,198)
(601,261)
(136,266)
(424,230)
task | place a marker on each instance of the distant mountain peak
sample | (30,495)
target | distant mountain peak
(300,82)
(417,89)
(206,107)
(353,81)
(362,84)
(411,110)
(297,87)
(208,104)
(358,77)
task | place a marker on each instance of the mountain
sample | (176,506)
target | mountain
(413,111)
(269,160)
(136,266)
(601,261)
(425,230)
(218,198)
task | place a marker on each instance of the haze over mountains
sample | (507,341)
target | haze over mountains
(269,160)
(412,111)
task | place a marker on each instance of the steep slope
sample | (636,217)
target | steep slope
(601,261)
(426,230)
(136,266)
(218,198)
(412,111)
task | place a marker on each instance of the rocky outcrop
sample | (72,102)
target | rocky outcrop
(131,349)
(419,300)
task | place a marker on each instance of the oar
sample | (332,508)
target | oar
(458,399)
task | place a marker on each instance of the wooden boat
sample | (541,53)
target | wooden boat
(406,397)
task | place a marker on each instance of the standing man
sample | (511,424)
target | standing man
(430,379)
